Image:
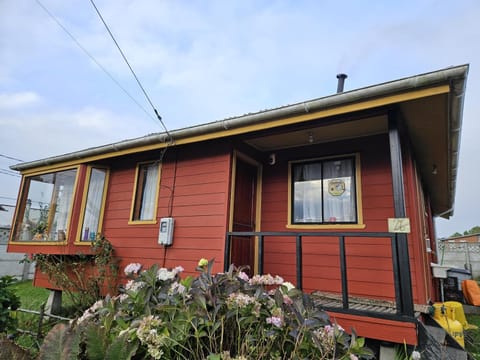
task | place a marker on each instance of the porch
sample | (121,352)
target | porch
(375,316)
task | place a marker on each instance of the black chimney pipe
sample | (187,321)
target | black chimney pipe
(341,81)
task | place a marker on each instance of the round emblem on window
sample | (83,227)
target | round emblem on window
(336,187)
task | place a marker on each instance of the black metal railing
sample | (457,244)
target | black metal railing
(401,273)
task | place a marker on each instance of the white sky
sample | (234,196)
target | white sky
(205,60)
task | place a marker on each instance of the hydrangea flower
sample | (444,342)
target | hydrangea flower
(90,312)
(266,280)
(203,262)
(416,355)
(240,300)
(132,268)
(177,288)
(242,275)
(134,286)
(275,320)
(164,274)
(178,269)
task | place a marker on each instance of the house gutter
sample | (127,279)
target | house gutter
(455,76)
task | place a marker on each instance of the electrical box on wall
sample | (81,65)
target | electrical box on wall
(165,235)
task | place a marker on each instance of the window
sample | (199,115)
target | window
(324,191)
(146,190)
(95,196)
(45,208)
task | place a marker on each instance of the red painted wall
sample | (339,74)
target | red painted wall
(194,189)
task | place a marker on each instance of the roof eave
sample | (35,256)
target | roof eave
(454,75)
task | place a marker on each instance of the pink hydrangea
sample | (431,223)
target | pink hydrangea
(266,280)
(275,320)
(242,275)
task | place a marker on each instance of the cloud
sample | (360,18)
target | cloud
(31,135)
(11,101)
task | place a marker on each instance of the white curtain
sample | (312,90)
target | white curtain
(308,193)
(149,192)
(338,191)
(63,191)
(94,204)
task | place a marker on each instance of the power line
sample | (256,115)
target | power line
(3,172)
(8,198)
(10,171)
(133,72)
(93,59)
(11,158)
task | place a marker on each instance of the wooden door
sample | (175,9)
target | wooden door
(244,215)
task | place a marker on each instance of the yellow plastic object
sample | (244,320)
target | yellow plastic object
(459,314)
(445,316)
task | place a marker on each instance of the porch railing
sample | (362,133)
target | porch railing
(404,309)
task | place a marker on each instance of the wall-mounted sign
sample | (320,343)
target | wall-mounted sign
(399,225)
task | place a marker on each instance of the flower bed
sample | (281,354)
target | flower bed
(159,315)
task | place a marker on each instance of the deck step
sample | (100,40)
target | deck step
(437,332)
(436,343)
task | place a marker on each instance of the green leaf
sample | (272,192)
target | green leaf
(55,345)
(96,342)
(121,349)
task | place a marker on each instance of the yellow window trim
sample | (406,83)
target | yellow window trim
(333,111)
(358,191)
(20,197)
(157,190)
(140,222)
(78,238)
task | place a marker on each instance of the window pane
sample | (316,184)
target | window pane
(307,193)
(339,191)
(145,197)
(93,206)
(46,209)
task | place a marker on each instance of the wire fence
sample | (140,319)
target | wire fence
(37,327)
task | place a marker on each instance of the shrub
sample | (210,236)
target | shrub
(8,301)
(82,277)
(223,316)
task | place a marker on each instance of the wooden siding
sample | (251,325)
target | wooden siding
(194,188)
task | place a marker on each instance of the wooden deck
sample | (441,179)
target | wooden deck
(334,301)
(369,325)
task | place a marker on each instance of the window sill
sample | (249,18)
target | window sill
(84,242)
(142,222)
(326,227)
(44,242)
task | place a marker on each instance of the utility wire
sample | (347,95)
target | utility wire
(93,59)
(10,171)
(2,172)
(133,72)
(9,157)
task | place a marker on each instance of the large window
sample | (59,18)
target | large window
(324,191)
(146,191)
(95,196)
(46,207)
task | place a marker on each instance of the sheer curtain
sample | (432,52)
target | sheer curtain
(308,193)
(339,191)
(149,192)
(60,205)
(94,203)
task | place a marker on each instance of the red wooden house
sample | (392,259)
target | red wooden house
(336,195)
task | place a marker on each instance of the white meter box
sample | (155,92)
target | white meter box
(165,235)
